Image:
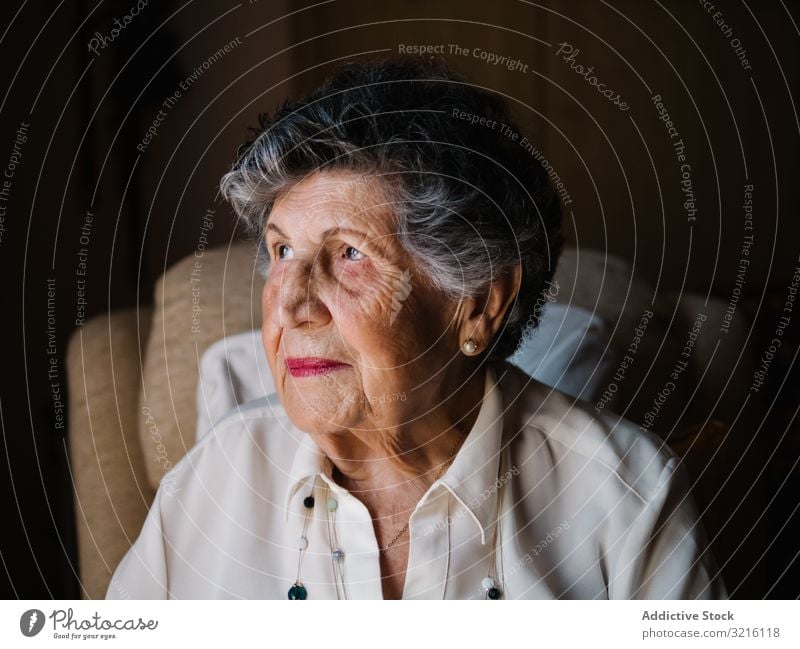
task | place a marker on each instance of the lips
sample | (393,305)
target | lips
(313,366)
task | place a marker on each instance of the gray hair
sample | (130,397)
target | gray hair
(470,202)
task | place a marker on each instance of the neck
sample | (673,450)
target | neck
(408,457)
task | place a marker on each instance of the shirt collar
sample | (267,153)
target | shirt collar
(309,461)
(472,477)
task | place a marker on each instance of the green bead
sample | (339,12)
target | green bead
(298,591)
(332,504)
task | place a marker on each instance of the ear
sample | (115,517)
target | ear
(481,316)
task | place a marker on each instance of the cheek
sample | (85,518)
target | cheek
(279,286)
(269,332)
(383,327)
(425,325)
(269,295)
(372,292)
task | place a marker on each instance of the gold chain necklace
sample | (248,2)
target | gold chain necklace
(438,475)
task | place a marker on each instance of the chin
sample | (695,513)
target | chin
(315,425)
(315,414)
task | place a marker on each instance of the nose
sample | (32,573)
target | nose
(295,297)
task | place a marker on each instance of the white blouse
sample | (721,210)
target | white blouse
(544,496)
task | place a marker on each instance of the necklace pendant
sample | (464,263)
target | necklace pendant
(298,591)
(489,586)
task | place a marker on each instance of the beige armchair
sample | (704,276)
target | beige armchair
(133,376)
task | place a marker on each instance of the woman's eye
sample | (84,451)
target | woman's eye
(353,254)
(280,248)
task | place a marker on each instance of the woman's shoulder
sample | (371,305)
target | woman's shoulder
(264,410)
(565,431)
(246,440)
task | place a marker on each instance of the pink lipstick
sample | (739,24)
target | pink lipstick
(312,366)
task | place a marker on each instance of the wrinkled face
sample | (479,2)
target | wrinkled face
(353,334)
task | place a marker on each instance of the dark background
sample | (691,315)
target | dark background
(88,111)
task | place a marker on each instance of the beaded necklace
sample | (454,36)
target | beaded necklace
(489,584)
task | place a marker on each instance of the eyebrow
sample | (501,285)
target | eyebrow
(331,231)
(272,226)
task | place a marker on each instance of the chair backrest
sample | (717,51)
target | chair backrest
(199,300)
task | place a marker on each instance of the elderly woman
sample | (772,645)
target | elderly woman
(407,240)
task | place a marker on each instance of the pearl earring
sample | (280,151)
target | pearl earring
(469,346)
